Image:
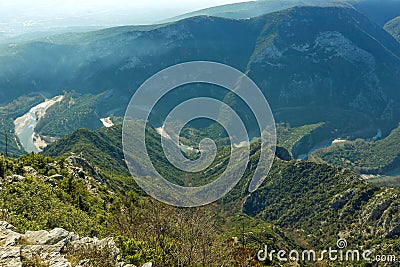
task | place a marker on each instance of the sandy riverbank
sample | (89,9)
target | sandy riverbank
(25,125)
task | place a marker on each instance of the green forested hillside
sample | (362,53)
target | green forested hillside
(299,195)
(300,205)
(288,136)
(367,157)
(326,203)
(102,147)
(73,112)
(40,192)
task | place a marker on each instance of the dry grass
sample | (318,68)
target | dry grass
(35,261)
(97,255)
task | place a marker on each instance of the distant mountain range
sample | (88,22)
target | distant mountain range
(378,11)
(314,64)
(300,57)
(48,18)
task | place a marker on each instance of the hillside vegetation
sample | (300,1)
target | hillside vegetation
(288,136)
(297,194)
(73,112)
(366,157)
(41,193)
(300,205)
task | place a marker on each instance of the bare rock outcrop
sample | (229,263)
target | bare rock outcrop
(56,248)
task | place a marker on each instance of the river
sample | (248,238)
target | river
(26,124)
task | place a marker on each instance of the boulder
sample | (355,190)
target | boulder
(51,247)
(30,171)
(10,257)
(57,177)
(17,178)
(8,235)
(46,238)
(9,238)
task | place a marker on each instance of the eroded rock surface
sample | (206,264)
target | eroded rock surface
(55,248)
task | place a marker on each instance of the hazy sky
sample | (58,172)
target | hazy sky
(123,2)
(20,16)
(13,6)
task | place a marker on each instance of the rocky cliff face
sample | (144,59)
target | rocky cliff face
(318,198)
(393,27)
(341,65)
(56,248)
